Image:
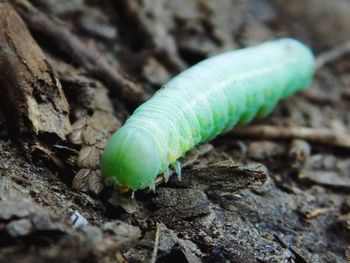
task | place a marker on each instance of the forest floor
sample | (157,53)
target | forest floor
(82,70)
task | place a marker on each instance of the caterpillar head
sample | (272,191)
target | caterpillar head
(131,159)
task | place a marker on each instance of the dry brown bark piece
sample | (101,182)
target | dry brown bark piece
(317,136)
(227,177)
(32,96)
(86,55)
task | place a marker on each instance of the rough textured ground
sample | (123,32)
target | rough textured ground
(240,200)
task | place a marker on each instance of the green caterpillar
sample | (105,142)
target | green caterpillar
(201,103)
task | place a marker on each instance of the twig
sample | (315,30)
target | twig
(321,136)
(87,56)
(331,55)
(50,155)
(156,244)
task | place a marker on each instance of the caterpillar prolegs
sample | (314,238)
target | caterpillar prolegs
(200,103)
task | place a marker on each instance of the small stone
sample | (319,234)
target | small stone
(19,228)
(208,241)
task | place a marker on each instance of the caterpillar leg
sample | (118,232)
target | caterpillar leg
(152,187)
(177,166)
(167,174)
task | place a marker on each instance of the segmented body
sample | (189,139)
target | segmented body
(213,96)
